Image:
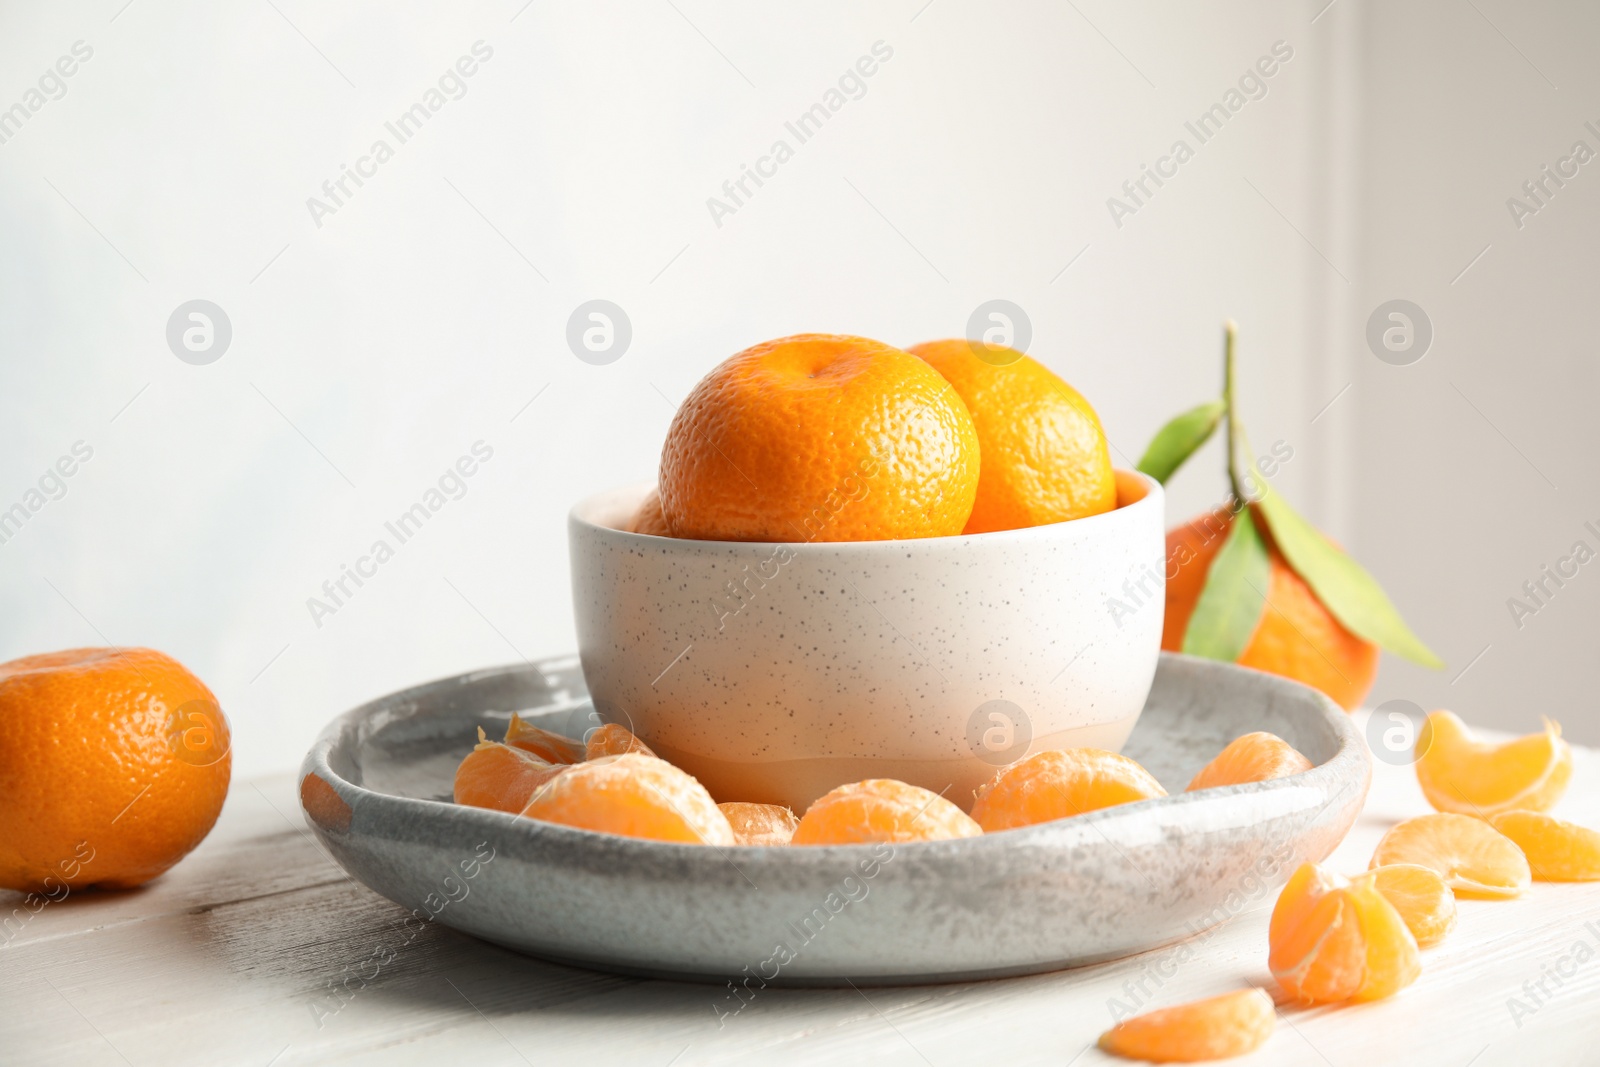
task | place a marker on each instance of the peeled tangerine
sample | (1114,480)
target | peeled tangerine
(1557,851)
(760,824)
(1211,1029)
(501,777)
(1332,941)
(614,740)
(1469,777)
(633,795)
(879,810)
(1058,783)
(1473,858)
(1255,757)
(552,748)
(1420,896)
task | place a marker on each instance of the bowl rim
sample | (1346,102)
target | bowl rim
(1154,498)
(1220,805)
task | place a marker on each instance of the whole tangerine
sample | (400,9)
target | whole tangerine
(1045,457)
(1297,636)
(114,764)
(820,437)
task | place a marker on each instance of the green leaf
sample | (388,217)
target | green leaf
(1179,439)
(1353,596)
(1234,597)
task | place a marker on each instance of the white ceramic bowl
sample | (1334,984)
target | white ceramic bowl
(774,672)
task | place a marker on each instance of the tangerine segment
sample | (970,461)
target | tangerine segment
(1557,850)
(1474,858)
(542,743)
(1461,774)
(881,809)
(1059,783)
(1330,941)
(1314,940)
(498,776)
(613,739)
(1211,1029)
(1420,896)
(1043,456)
(1254,757)
(820,437)
(760,824)
(635,796)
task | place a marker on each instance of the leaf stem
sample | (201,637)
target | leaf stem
(1230,337)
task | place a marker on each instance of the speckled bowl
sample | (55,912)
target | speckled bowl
(774,672)
(376,787)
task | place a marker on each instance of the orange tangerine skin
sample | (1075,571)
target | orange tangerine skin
(820,437)
(114,765)
(1255,757)
(1215,1028)
(1460,774)
(551,747)
(1060,783)
(650,519)
(1557,850)
(1332,941)
(1420,895)
(613,739)
(1473,858)
(760,824)
(1044,456)
(635,796)
(881,810)
(1297,636)
(498,776)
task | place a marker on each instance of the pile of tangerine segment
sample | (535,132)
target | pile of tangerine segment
(1334,940)
(613,783)
(1331,940)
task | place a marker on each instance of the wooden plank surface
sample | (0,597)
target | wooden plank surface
(235,955)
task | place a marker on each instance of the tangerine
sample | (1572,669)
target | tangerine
(633,795)
(548,746)
(1254,757)
(114,764)
(613,739)
(820,437)
(1297,636)
(1043,453)
(500,776)
(881,809)
(1331,940)
(1058,783)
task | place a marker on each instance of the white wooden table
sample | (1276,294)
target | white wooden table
(222,960)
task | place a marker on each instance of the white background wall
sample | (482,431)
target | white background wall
(372,351)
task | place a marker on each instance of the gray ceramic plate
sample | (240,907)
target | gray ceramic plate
(377,786)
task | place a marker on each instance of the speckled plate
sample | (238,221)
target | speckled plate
(377,784)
